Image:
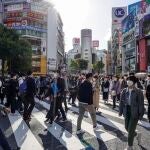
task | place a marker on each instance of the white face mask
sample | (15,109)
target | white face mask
(129,83)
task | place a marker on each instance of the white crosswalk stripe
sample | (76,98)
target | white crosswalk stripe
(26,138)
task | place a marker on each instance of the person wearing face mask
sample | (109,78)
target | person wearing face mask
(116,89)
(132,108)
(105,89)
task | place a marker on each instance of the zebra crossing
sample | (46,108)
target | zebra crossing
(42,136)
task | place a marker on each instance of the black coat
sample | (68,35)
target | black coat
(105,85)
(31,87)
(85,93)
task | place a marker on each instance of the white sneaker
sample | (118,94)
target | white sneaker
(139,138)
(97,127)
(79,131)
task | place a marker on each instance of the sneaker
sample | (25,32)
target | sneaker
(46,120)
(139,137)
(97,127)
(79,131)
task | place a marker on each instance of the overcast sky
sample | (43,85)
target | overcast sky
(92,14)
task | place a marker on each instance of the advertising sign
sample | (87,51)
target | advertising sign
(1,7)
(52,63)
(96,43)
(128,23)
(14,7)
(118,14)
(135,6)
(145,26)
(76,41)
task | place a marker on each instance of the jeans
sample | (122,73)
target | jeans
(130,126)
(29,104)
(82,109)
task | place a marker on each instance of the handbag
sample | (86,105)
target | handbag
(113,93)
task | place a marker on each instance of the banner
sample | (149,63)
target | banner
(129,22)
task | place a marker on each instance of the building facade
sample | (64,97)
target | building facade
(55,40)
(29,18)
(86,46)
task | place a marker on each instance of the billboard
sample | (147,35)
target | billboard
(118,14)
(14,7)
(145,26)
(95,43)
(76,41)
(129,22)
(136,6)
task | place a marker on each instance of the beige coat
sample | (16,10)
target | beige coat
(96,88)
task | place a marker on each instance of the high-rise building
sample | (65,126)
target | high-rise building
(29,18)
(86,46)
(55,54)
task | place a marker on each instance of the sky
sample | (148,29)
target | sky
(92,14)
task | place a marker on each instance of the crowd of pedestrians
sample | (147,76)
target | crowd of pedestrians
(18,93)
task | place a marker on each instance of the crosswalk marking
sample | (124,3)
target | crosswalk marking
(101,134)
(105,121)
(24,137)
(71,142)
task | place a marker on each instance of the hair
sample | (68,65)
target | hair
(29,72)
(89,75)
(132,78)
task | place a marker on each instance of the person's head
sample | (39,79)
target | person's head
(148,77)
(105,78)
(131,81)
(13,76)
(89,76)
(83,76)
(29,73)
(115,78)
(95,77)
(125,77)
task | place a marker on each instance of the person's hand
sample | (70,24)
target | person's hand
(7,110)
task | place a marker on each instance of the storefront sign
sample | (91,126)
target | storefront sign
(118,14)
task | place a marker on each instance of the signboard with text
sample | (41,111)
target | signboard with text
(96,43)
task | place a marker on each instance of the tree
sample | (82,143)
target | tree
(74,65)
(23,60)
(99,66)
(12,48)
(83,64)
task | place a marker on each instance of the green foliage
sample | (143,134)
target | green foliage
(74,65)
(15,51)
(83,64)
(99,66)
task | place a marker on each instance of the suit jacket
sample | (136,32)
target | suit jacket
(137,103)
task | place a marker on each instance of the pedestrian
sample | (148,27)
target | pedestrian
(124,82)
(105,89)
(116,89)
(2,95)
(96,92)
(85,96)
(132,107)
(12,93)
(29,101)
(148,96)
(22,91)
